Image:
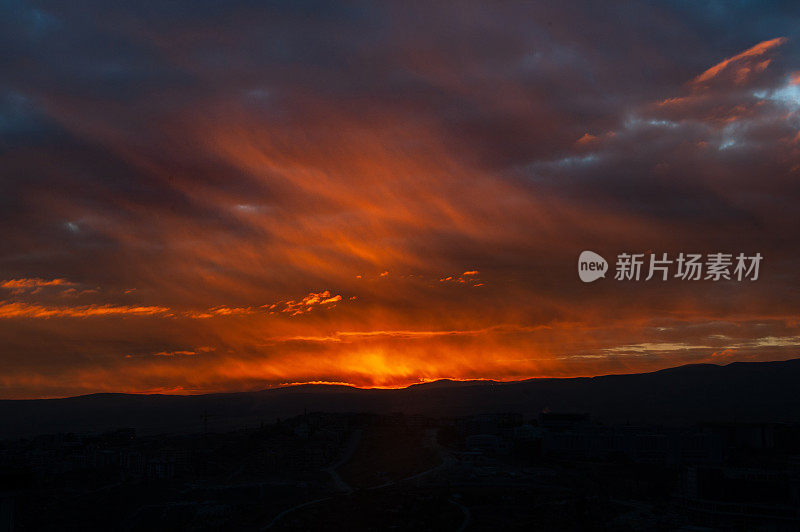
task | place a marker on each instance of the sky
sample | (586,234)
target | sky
(221,196)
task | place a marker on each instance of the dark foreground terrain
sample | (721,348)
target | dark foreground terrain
(570,454)
(322,471)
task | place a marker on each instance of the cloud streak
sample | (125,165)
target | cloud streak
(743,63)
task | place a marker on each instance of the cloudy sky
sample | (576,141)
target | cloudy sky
(205,196)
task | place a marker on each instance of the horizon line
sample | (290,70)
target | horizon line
(289,385)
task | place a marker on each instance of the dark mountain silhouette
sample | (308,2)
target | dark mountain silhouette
(740,391)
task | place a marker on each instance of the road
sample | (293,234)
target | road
(345,488)
(347,454)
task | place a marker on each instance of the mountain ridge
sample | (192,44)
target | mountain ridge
(737,391)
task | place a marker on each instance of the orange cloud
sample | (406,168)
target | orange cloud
(310,301)
(174,353)
(468,277)
(34,283)
(25,310)
(17,309)
(743,71)
(18,286)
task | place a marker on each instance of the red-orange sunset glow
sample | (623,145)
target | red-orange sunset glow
(212,202)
